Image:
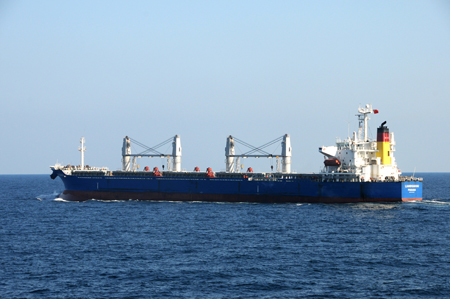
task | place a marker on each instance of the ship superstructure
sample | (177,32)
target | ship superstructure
(371,160)
(356,169)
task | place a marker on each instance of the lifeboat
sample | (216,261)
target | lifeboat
(332,162)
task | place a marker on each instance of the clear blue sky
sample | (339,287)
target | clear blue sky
(208,69)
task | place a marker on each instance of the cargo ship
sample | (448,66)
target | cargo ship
(356,169)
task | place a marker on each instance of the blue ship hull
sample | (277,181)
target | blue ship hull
(234,189)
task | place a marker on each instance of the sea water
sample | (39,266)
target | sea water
(50,248)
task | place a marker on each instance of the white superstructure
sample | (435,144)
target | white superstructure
(372,160)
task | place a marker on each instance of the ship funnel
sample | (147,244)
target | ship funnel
(229,150)
(176,153)
(286,153)
(383,144)
(126,152)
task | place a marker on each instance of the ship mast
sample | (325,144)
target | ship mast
(82,149)
(363,117)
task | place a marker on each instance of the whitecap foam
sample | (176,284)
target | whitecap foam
(436,201)
(48,196)
(60,199)
(108,200)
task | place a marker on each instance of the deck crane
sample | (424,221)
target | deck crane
(129,159)
(233,160)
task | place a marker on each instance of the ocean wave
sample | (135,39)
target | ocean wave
(436,201)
